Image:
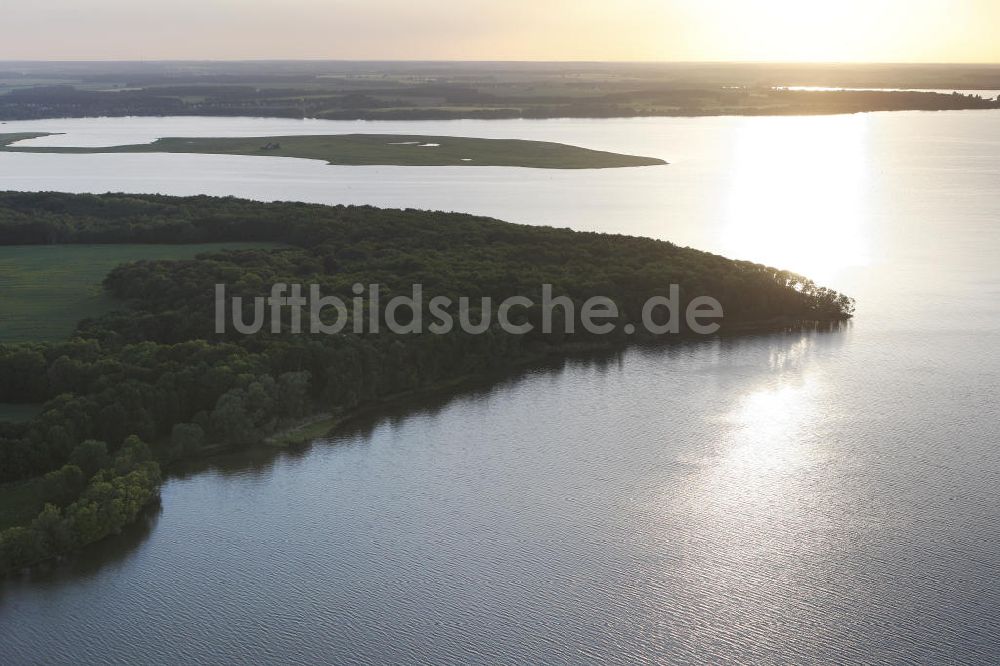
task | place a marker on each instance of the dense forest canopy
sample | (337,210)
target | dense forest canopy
(157,371)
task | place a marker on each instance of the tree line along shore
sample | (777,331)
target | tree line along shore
(151,382)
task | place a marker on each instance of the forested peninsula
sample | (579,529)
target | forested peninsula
(152,383)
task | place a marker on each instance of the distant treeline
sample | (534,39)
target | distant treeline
(157,371)
(389,98)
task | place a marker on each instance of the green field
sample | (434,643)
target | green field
(18,412)
(374,149)
(20,501)
(45,290)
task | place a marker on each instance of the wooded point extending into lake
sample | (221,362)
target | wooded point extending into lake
(156,371)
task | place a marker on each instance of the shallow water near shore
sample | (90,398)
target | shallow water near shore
(800,497)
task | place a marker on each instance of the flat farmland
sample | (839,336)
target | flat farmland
(45,290)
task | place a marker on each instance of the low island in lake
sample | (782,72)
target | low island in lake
(370,149)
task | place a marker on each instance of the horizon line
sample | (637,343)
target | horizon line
(501,61)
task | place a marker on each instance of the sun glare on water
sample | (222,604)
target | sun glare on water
(797,199)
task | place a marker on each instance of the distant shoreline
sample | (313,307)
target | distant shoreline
(791,110)
(455,90)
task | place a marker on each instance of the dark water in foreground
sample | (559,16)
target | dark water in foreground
(806,497)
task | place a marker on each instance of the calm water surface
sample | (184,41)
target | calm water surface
(808,497)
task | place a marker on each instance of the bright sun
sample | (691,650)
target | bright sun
(820,30)
(789,208)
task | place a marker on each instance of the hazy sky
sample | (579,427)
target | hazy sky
(718,30)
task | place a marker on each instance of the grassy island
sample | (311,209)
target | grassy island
(373,149)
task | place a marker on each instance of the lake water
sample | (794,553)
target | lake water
(985,94)
(807,497)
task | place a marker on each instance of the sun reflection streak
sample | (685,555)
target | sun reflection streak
(768,425)
(798,196)
(767,428)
